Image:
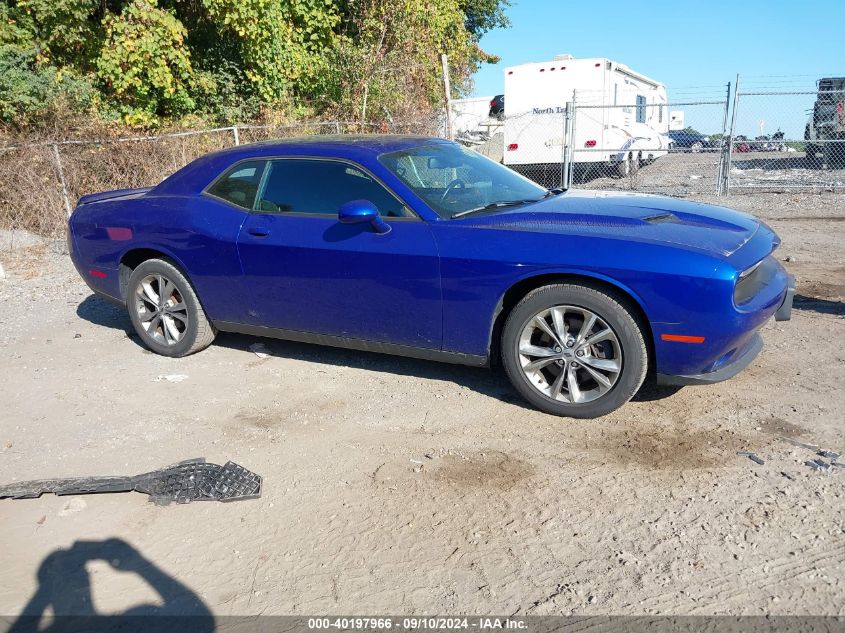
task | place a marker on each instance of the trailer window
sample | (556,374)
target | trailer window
(640,109)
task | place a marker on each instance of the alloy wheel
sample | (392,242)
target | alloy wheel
(161,309)
(570,354)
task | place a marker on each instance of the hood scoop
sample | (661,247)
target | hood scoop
(659,218)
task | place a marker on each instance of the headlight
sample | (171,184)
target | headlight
(748,271)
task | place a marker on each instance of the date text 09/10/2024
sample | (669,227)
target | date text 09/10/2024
(416,623)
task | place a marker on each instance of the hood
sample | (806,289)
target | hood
(642,217)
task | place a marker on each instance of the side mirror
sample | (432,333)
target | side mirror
(358,211)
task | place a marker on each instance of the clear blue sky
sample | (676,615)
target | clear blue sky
(694,47)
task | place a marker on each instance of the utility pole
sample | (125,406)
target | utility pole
(447,88)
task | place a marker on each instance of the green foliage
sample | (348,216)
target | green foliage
(482,16)
(144,63)
(30,90)
(149,61)
(281,41)
(66,32)
(225,93)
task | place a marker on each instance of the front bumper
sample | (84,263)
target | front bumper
(743,358)
(740,362)
(784,312)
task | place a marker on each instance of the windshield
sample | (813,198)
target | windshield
(454,180)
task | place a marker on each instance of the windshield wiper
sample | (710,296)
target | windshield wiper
(494,205)
(507,203)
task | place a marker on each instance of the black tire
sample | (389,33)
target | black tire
(614,311)
(834,154)
(195,331)
(696,147)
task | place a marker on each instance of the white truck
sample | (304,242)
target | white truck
(621,116)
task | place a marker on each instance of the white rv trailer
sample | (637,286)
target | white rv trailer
(625,136)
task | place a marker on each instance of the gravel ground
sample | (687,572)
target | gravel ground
(687,174)
(403,486)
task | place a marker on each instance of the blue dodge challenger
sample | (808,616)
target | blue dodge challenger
(420,247)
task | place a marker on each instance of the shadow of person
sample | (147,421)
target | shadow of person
(63,599)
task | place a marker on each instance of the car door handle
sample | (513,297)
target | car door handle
(259,231)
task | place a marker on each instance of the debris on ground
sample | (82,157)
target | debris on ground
(191,480)
(815,465)
(259,349)
(171,377)
(823,466)
(752,456)
(72,507)
(818,464)
(809,447)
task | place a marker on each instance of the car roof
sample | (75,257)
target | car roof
(196,175)
(376,143)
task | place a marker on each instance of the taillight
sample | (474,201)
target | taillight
(513,146)
(590,143)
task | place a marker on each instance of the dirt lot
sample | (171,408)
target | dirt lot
(685,174)
(402,486)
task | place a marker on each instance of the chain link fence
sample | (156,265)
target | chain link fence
(47,178)
(674,148)
(758,137)
(788,136)
(758,134)
(534,144)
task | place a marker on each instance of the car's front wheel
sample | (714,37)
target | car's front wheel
(165,310)
(574,350)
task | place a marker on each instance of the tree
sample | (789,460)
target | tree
(157,60)
(144,63)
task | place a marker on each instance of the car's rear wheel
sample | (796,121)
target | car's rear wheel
(574,350)
(165,310)
(696,147)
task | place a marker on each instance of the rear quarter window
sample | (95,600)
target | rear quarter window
(239,185)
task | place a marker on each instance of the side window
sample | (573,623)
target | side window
(641,109)
(239,185)
(321,187)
